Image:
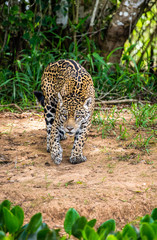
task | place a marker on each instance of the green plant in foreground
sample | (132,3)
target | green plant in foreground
(145,115)
(123,134)
(11,227)
(106,121)
(141,142)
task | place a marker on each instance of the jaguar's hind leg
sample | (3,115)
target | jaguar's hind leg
(49,112)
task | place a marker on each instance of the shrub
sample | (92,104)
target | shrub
(11,227)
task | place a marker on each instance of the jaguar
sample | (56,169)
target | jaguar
(68,98)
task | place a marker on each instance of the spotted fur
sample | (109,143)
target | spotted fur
(68,99)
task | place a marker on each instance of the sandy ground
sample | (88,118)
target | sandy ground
(115,182)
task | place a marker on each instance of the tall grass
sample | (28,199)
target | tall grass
(43,41)
(110,81)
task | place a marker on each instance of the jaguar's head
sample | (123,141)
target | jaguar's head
(74,114)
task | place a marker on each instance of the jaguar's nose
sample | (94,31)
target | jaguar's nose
(70,128)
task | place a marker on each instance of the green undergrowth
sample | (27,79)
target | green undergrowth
(30,41)
(111,81)
(12,228)
(135,126)
(145,115)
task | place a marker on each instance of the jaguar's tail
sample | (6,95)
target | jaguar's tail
(40,97)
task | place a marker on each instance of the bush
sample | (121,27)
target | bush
(11,227)
(110,81)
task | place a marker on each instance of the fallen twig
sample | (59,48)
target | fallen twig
(121,101)
(12,105)
(34,107)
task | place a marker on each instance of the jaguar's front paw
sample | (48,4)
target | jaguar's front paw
(78,159)
(56,155)
(57,159)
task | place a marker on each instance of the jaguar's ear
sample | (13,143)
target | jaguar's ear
(60,99)
(87,103)
(40,97)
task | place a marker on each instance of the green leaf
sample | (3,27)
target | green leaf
(71,216)
(118,235)
(129,232)
(34,223)
(92,223)
(147,219)
(154,227)
(2,235)
(6,204)
(109,55)
(154,214)
(29,14)
(19,213)
(90,233)
(42,234)
(91,60)
(63,238)
(47,234)
(10,220)
(146,231)
(111,237)
(107,227)
(98,57)
(24,235)
(78,227)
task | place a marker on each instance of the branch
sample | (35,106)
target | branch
(77,12)
(76,20)
(12,105)
(121,101)
(94,14)
(5,40)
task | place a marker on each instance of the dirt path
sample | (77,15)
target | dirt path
(115,182)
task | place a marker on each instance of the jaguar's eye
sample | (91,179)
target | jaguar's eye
(77,116)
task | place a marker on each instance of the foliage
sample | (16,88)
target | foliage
(106,120)
(110,81)
(145,115)
(32,39)
(139,132)
(115,81)
(142,40)
(11,227)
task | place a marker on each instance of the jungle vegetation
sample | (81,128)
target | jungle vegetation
(113,39)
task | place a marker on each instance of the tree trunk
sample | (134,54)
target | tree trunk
(121,27)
